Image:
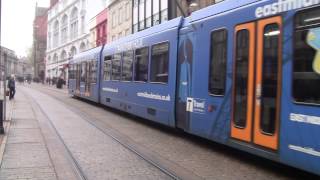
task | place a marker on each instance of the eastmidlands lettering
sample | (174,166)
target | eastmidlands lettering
(283,6)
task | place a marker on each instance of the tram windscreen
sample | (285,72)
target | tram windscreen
(306,63)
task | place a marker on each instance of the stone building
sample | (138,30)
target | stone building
(120,19)
(39,41)
(12,61)
(68,32)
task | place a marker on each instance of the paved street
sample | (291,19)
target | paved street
(54,136)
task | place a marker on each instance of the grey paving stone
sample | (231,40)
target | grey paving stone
(23,155)
(23,115)
(24,124)
(40,173)
(17,135)
(99,155)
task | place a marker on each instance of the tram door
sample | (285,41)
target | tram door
(88,79)
(257,83)
(78,68)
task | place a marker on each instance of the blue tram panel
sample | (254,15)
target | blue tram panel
(147,69)
(245,74)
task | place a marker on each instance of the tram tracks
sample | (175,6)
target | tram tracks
(77,170)
(169,168)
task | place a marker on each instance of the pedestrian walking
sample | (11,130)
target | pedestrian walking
(12,87)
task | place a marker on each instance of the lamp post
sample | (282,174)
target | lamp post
(35,27)
(3,104)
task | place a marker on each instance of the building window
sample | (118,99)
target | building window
(141,15)
(306,65)
(148,13)
(107,68)
(160,63)
(83,24)
(218,62)
(128,11)
(74,24)
(49,40)
(64,29)
(127,66)
(164,11)
(116,67)
(120,16)
(156,12)
(141,64)
(114,19)
(127,32)
(135,16)
(56,34)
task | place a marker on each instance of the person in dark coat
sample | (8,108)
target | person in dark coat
(12,87)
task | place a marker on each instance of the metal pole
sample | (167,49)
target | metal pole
(3,108)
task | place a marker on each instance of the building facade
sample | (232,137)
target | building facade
(68,32)
(98,29)
(39,41)
(148,13)
(65,36)
(12,61)
(120,19)
(24,68)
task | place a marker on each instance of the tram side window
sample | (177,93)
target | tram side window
(241,78)
(218,62)
(306,63)
(71,72)
(127,66)
(83,72)
(160,63)
(116,67)
(141,64)
(93,71)
(269,89)
(107,68)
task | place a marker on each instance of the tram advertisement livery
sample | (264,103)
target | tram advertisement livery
(245,74)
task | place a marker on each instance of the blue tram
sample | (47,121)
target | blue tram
(242,73)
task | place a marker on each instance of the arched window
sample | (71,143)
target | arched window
(73,51)
(63,56)
(74,24)
(56,34)
(55,58)
(49,40)
(82,47)
(64,29)
(48,60)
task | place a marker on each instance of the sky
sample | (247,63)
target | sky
(16,26)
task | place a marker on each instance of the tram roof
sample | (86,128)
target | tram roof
(218,8)
(86,55)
